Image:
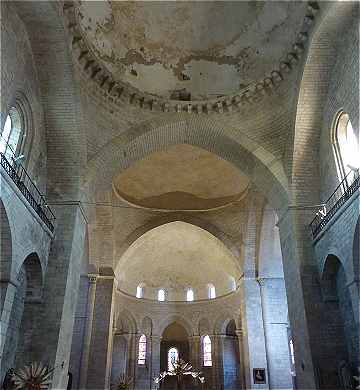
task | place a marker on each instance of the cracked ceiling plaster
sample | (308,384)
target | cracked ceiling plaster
(190,50)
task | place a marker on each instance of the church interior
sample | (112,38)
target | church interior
(179,195)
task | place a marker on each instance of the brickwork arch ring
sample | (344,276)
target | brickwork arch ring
(263,169)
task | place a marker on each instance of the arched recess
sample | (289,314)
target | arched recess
(31,317)
(231,358)
(263,169)
(25,314)
(223,321)
(160,328)
(173,217)
(174,336)
(339,330)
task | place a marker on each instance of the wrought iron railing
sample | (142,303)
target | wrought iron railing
(20,177)
(343,192)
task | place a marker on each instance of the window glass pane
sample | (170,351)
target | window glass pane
(212,292)
(139,292)
(190,295)
(173,356)
(5,134)
(142,350)
(207,351)
(161,295)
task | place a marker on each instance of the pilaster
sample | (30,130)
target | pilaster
(92,278)
(99,362)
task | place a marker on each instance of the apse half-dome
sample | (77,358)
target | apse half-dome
(175,257)
(190,50)
(183,177)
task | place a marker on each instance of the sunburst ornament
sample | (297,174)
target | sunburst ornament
(180,369)
(35,376)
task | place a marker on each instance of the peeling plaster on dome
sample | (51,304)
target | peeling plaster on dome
(156,55)
(176,256)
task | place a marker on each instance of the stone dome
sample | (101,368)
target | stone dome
(191,51)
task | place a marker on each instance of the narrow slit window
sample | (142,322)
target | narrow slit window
(211,291)
(142,350)
(161,295)
(207,351)
(139,291)
(190,295)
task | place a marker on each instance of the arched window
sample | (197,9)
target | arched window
(207,351)
(211,291)
(292,354)
(173,356)
(346,145)
(142,350)
(161,295)
(190,294)
(12,135)
(140,291)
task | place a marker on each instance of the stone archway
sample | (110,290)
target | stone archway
(25,315)
(338,326)
(174,338)
(262,168)
(31,314)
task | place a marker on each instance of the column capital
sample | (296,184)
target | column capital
(92,278)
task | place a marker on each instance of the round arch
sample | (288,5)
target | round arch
(320,58)
(222,323)
(160,328)
(126,323)
(263,169)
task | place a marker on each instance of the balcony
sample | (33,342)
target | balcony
(339,197)
(31,193)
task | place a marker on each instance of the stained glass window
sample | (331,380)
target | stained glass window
(173,356)
(142,350)
(207,351)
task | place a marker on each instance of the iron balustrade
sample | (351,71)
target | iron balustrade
(343,192)
(20,177)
